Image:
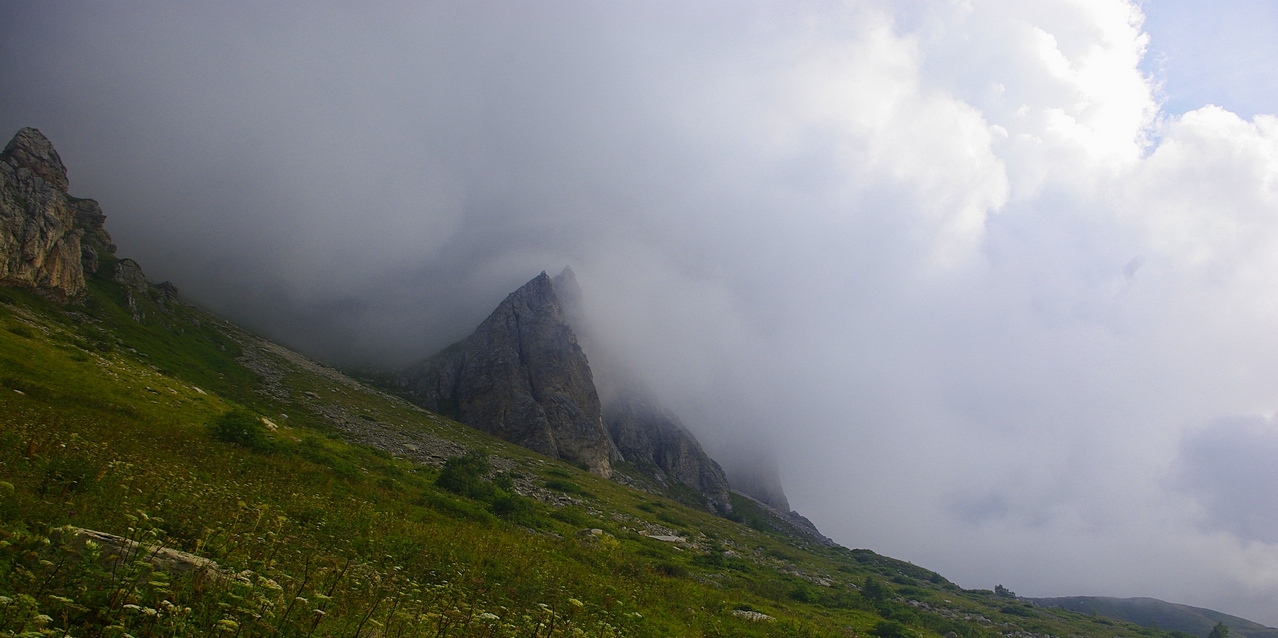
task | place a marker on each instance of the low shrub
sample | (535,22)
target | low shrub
(464,476)
(241,428)
(891,629)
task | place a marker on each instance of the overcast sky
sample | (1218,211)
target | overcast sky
(996,280)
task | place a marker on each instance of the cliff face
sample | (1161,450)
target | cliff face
(521,376)
(48,239)
(653,440)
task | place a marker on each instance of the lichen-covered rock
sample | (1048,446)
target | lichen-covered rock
(129,274)
(31,150)
(653,440)
(521,376)
(48,239)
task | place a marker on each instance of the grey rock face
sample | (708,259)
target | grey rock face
(48,239)
(654,440)
(31,150)
(521,376)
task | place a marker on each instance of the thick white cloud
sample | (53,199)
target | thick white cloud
(994,311)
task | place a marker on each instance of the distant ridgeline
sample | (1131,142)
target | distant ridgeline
(1151,612)
(523,376)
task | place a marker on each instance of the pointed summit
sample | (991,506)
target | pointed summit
(569,293)
(521,376)
(31,150)
(49,240)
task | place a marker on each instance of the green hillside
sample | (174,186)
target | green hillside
(333,509)
(1151,612)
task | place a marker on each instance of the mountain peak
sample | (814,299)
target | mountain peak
(31,150)
(49,240)
(521,376)
(569,294)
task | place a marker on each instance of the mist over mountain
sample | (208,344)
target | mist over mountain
(989,284)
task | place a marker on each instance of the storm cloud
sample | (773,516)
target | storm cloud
(994,283)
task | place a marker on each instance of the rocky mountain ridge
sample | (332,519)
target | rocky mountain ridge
(51,241)
(48,239)
(655,442)
(520,376)
(523,376)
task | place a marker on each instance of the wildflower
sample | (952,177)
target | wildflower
(489,616)
(576,603)
(226,624)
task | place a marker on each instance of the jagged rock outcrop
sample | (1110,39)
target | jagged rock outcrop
(654,441)
(520,376)
(48,239)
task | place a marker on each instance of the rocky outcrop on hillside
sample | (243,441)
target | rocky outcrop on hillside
(49,240)
(655,442)
(520,376)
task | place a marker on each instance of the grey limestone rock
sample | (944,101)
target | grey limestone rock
(48,239)
(520,376)
(653,440)
(31,150)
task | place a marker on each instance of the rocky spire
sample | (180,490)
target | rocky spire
(48,239)
(31,150)
(521,376)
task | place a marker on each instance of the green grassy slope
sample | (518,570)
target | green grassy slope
(337,522)
(1151,612)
